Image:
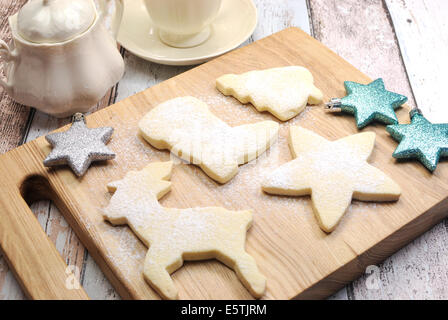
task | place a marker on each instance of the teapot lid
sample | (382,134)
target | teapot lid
(53,21)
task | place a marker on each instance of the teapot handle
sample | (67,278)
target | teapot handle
(116,15)
(7,55)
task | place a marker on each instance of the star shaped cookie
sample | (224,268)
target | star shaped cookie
(174,235)
(421,139)
(79,146)
(333,172)
(371,102)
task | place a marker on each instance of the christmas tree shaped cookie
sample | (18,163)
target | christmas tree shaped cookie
(284,91)
(186,126)
(175,235)
(333,172)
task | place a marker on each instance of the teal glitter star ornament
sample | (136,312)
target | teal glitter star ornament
(420,139)
(370,102)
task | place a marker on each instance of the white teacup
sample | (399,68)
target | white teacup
(183,23)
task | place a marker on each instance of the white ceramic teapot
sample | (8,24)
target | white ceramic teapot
(63,59)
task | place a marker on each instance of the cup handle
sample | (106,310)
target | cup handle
(7,55)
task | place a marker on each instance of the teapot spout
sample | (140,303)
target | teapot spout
(111,12)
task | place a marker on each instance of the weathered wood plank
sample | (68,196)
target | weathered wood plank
(277,15)
(95,283)
(361,33)
(422,32)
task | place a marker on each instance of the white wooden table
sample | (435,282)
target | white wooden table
(403,41)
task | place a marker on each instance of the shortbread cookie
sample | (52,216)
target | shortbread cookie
(187,127)
(175,235)
(284,91)
(333,172)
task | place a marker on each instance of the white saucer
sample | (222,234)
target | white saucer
(235,23)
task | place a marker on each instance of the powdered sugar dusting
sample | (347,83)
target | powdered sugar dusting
(125,250)
(133,150)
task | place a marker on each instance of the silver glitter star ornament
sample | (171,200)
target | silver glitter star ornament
(368,103)
(79,146)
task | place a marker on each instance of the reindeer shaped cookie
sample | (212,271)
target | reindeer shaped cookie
(175,235)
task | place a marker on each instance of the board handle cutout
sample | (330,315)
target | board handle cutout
(33,258)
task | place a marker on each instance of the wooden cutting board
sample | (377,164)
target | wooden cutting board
(298,259)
